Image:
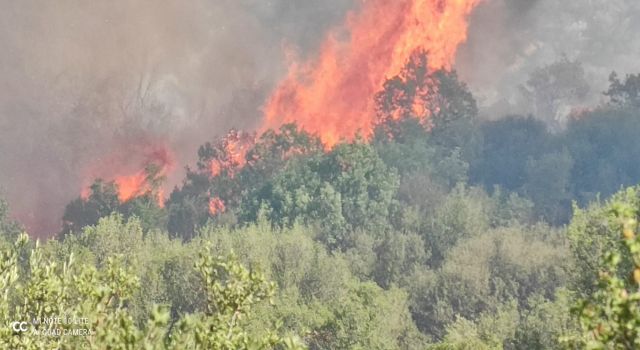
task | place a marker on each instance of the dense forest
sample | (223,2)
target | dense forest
(448,231)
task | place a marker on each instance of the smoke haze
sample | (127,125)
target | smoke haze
(508,39)
(88,88)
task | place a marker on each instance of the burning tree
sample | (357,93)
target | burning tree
(231,168)
(437,99)
(332,94)
(139,194)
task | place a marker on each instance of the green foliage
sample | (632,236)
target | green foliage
(103,201)
(398,256)
(435,230)
(508,144)
(369,319)
(235,170)
(594,155)
(548,186)
(604,148)
(544,323)
(437,99)
(348,188)
(463,213)
(491,331)
(9,229)
(318,296)
(99,298)
(419,102)
(610,315)
(593,233)
(486,270)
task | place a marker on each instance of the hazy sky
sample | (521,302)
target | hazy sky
(510,38)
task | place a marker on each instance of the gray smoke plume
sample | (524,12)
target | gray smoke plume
(509,39)
(89,86)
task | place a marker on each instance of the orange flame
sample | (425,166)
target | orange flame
(216,206)
(233,149)
(137,184)
(132,186)
(332,95)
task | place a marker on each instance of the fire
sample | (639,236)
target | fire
(216,206)
(153,165)
(230,152)
(332,95)
(156,166)
(132,186)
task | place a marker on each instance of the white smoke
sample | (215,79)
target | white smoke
(508,39)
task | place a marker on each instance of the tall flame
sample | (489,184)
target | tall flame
(332,95)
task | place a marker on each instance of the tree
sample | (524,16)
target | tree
(231,172)
(548,185)
(102,201)
(318,295)
(624,94)
(435,100)
(462,214)
(610,315)
(604,148)
(188,206)
(399,256)
(97,298)
(346,189)
(9,229)
(485,271)
(507,145)
(593,233)
(554,87)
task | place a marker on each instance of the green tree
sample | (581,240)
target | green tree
(548,185)
(418,100)
(398,257)
(484,271)
(233,171)
(610,315)
(346,189)
(507,145)
(100,298)
(9,229)
(593,233)
(102,201)
(604,148)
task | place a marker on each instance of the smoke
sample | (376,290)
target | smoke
(508,39)
(88,87)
